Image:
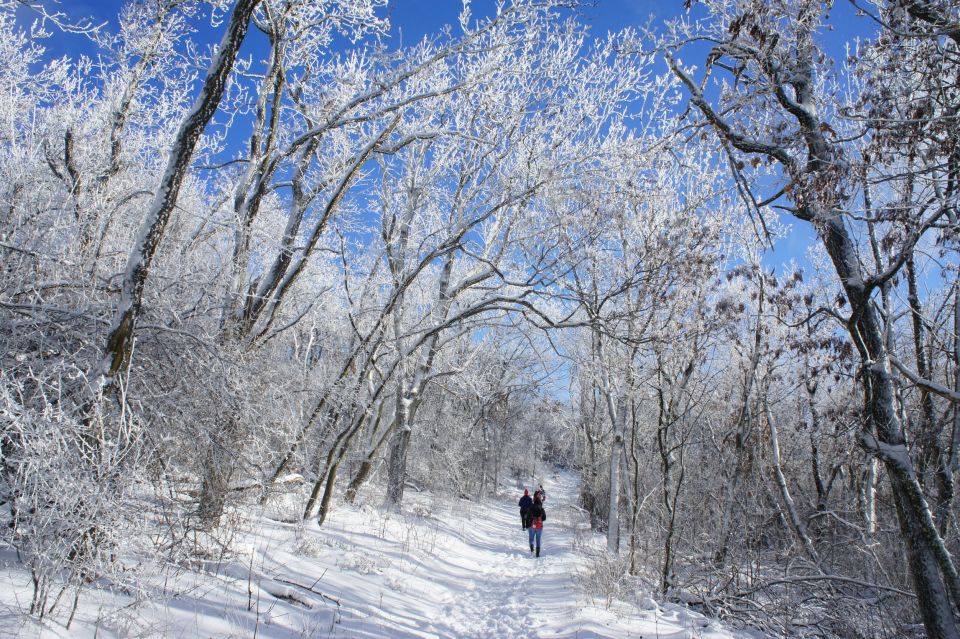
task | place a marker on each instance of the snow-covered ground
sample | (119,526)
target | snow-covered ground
(445,567)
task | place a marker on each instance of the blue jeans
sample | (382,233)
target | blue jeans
(535,533)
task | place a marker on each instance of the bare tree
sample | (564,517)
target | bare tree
(776,108)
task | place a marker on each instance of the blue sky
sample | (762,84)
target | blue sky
(413,19)
(417,17)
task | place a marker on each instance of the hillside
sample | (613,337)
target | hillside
(445,567)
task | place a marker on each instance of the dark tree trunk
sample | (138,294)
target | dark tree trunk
(931,567)
(120,341)
(933,458)
(219,464)
(367,465)
(213,494)
(398,466)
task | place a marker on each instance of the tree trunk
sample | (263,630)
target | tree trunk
(588,486)
(219,464)
(120,340)
(925,549)
(633,501)
(933,458)
(955,430)
(327,479)
(213,493)
(484,461)
(743,427)
(359,479)
(398,466)
(935,608)
(327,492)
(795,522)
(816,466)
(666,466)
(666,574)
(616,450)
(498,459)
(335,457)
(869,491)
(821,202)
(367,465)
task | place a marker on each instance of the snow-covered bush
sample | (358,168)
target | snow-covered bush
(68,488)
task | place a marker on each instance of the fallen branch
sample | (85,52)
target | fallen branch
(310,589)
(283,592)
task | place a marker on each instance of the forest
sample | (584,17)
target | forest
(254,250)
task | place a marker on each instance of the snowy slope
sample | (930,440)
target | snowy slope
(443,568)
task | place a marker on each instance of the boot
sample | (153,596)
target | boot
(538,551)
(531,547)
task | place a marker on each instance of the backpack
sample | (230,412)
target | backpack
(536,520)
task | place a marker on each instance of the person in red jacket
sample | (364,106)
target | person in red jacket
(537,516)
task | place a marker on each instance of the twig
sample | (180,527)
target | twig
(856,582)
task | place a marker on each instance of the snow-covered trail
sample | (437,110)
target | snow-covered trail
(445,568)
(509,592)
(481,582)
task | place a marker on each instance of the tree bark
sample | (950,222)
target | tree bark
(588,490)
(822,487)
(669,414)
(932,455)
(398,466)
(617,413)
(925,548)
(954,464)
(409,397)
(869,493)
(120,340)
(219,463)
(367,465)
(795,522)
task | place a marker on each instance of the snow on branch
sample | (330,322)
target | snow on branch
(926,384)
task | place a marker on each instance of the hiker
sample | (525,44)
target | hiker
(537,516)
(525,503)
(540,491)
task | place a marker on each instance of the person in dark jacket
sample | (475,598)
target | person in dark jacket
(537,516)
(525,503)
(540,491)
